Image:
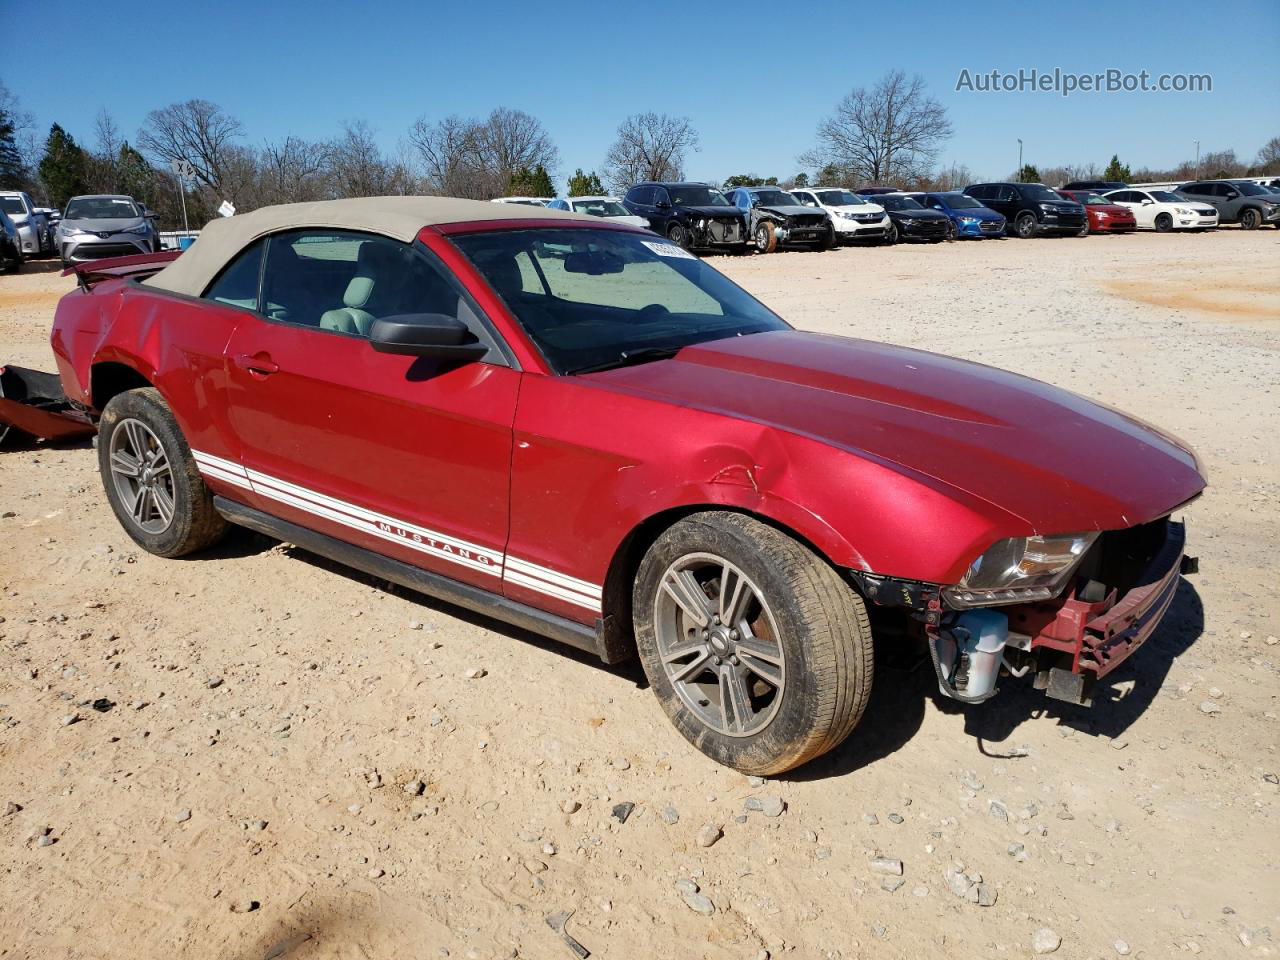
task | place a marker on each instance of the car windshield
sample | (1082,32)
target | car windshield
(1251,189)
(1094,200)
(1164,196)
(1036,191)
(890,202)
(595,299)
(101,208)
(840,198)
(776,198)
(599,208)
(697,197)
(12,205)
(958,201)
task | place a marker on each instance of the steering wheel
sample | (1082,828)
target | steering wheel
(653,312)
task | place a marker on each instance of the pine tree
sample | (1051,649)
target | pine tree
(585,184)
(801,180)
(12,169)
(1116,170)
(1028,174)
(532,183)
(63,168)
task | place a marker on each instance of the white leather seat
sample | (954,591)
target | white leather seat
(378,268)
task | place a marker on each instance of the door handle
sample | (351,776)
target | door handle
(259,363)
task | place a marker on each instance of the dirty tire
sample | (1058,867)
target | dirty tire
(824,636)
(195,524)
(766,240)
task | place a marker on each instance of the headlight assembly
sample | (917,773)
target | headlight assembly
(142,228)
(1019,570)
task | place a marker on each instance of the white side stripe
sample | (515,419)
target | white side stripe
(524,573)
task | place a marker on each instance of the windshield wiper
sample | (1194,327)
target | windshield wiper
(629,358)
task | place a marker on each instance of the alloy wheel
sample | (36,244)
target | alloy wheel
(719,645)
(142,476)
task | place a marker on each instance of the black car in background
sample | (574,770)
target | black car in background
(775,217)
(1031,209)
(1095,186)
(910,221)
(691,215)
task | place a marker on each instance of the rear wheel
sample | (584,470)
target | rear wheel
(678,235)
(757,650)
(766,239)
(1164,223)
(151,478)
(1249,219)
(1025,225)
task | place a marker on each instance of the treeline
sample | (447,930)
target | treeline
(889,133)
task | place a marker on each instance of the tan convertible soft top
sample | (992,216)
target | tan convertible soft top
(398,217)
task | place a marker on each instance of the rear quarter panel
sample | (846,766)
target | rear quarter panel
(176,343)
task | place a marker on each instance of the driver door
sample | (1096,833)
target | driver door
(405,456)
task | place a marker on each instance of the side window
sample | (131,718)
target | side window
(806,198)
(978,192)
(343,282)
(237,284)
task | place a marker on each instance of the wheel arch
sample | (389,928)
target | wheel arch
(110,378)
(618,640)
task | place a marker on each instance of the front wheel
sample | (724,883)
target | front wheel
(891,235)
(1025,225)
(678,235)
(951,230)
(1084,230)
(1249,219)
(758,651)
(151,479)
(1164,223)
(828,240)
(766,238)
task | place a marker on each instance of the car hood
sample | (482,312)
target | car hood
(859,208)
(630,219)
(1049,457)
(982,213)
(114,225)
(925,214)
(1112,209)
(711,211)
(790,210)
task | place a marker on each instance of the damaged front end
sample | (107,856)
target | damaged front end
(1113,597)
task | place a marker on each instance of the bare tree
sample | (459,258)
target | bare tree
(1269,157)
(197,131)
(465,157)
(955,177)
(649,146)
(357,167)
(889,133)
(450,153)
(293,171)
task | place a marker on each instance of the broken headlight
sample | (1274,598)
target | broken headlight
(1019,570)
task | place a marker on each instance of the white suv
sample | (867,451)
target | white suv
(854,217)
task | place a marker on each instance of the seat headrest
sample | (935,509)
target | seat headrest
(376,259)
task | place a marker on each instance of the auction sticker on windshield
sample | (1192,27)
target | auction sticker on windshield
(668,250)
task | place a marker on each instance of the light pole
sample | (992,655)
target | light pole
(1019,159)
(1197,159)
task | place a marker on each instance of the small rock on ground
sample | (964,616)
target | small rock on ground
(1045,941)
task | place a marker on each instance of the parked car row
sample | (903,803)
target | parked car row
(94,227)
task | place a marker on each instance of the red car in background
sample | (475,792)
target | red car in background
(578,427)
(1103,215)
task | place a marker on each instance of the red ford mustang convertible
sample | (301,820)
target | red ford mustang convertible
(577,427)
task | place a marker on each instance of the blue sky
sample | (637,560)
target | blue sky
(754,82)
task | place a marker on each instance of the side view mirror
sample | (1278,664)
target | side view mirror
(663,205)
(1232,195)
(1147,202)
(426,335)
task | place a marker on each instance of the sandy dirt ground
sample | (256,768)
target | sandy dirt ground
(245,797)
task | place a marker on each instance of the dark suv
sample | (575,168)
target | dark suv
(1237,201)
(1096,186)
(1030,208)
(775,217)
(691,215)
